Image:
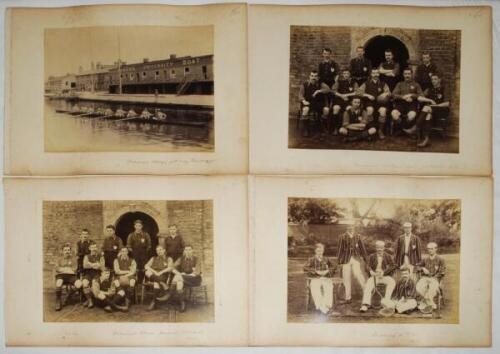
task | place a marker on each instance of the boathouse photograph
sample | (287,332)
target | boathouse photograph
(129,88)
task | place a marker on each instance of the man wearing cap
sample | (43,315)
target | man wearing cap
(408,249)
(65,273)
(174,244)
(351,252)
(139,242)
(320,269)
(433,270)
(112,244)
(380,267)
(106,295)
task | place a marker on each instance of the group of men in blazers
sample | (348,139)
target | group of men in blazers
(362,101)
(404,290)
(108,277)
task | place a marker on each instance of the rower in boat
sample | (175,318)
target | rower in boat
(120,113)
(75,109)
(131,114)
(109,112)
(84,109)
(100,111)
(146,114)
(159,115)
(90,110)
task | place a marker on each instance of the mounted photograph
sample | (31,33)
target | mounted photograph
(374,88)
(374,260)
(128,261)
(129,88)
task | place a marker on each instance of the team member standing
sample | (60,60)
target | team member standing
(125,271)
(425,71)
(343,90)
(82,248)
(433,270)
(406,95)
(408,249)
(139,242)
(320,269)
(351,253)
(112,244)
(65,273)
(174,243)
(376,95)
(186,274)
(436,106)
(389,70)
(360,67)
(312,101)
(93,263)
(328,69)
(380,267)
(159,270)
(356,124)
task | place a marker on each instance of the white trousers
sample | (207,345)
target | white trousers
(389,283)
(428,287)
(353,266)
(322,293)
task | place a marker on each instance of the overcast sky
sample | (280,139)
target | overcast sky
(68,48)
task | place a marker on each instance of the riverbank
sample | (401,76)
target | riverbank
(194,101)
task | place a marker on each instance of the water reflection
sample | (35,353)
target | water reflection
(67,133)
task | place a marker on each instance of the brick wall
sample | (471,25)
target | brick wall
(307,42)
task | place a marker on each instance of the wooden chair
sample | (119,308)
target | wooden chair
(337,284)
(193,292)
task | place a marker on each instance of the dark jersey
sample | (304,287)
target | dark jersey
(423,75)
(360,67)
(328,71)
(309,89)
(346,86)
(436,94)
(374,88)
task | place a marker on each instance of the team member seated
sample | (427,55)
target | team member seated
(405,293)
(436,106)
(106,295)
(320,269)
(186,274)
(93,263)
(376,96)
(159,270)
(343,90)
(65,274)
(312,101)
(125,271)
(405,97)
(433,270)
(380,267)
(356,124)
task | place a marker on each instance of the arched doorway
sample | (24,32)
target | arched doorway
(376,46)
(125,225)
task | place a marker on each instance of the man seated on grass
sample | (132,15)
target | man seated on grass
(380,267)
(405,293)
(106,295)
(433,270)
(186,274)
(159,271)
(320,269)
(357,124)
(65,274)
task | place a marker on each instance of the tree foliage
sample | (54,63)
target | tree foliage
(313,211)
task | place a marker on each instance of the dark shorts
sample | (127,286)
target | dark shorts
(440,113)
(109,258)
(404,107)
(90,274)
(67,279)
(340,102)
(164,278)
(190,281)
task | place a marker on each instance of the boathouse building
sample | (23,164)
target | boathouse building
(60,84)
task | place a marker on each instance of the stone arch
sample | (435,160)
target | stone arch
(125,225)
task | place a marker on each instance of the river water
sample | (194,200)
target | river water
(67,133)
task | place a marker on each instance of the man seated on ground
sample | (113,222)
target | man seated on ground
(376,96)
(343,90)
(159,271)
(106,295)
(405,293)
(125,271)
(436,106)
(93,263)
(186,274)
(356,124)
(433,270)
(312,101)
(65,274)
(405,96)
(380,267)
(320,269)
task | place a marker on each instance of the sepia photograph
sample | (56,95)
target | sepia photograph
(374,88)
(356,260)
(128,261)
(129,88)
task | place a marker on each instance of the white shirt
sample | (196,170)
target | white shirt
(407,243)
(379,264)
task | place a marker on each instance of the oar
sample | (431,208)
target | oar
(123,119)
(83,114)
(103,117)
